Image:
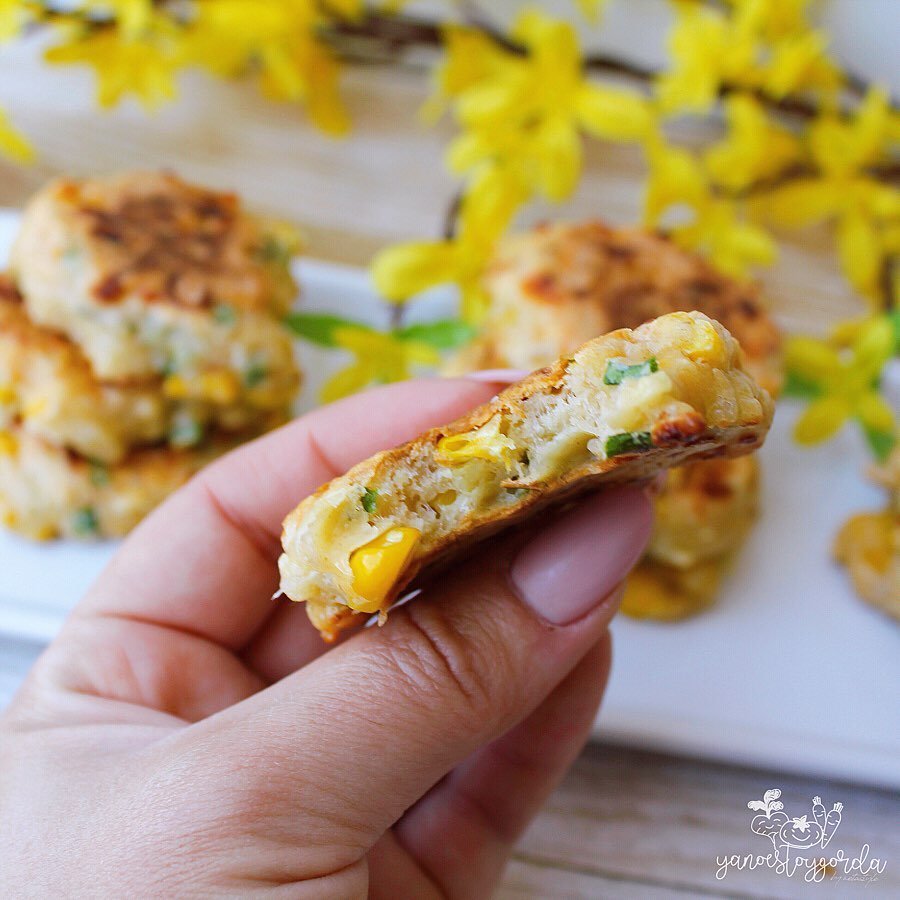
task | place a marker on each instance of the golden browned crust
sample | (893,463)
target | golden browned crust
(680,432)
(156,237)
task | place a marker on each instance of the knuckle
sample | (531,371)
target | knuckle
(457,657)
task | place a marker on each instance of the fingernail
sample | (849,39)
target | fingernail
(499,376)
(577,561)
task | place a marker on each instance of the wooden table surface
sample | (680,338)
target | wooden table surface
(626,823)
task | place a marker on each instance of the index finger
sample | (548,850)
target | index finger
(204,561)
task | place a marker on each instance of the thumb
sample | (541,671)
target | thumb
(344,746)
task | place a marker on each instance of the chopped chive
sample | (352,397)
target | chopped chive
(369,500)
(628,442)
(85,522)
(99,474)
(255,374)
(617,372)
(224,315)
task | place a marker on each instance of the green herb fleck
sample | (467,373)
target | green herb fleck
(255,374)
(628,442)
(369,500)
(85,522)
(186,432)
(99,474)
(224,315)
(617,371)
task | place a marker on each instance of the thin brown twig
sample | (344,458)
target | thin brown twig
(397,33)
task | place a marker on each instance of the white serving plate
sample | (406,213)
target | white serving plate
(791,671)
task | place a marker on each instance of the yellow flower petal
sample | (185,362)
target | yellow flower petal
(348,381)
(875,413)
(558,152)
(401,271)
(873,343)
(821,420)
(613,114)
(811,359)
(860,252)
(803,203)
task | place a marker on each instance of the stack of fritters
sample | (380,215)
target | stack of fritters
(560,285)
(140,336)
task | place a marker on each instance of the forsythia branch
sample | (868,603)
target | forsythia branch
(384,36)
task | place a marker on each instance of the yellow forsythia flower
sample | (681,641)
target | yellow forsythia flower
(762,45)
(842,376)
(525,113)
(280,37)
(379,359)
(706,49)
(143,65)
(680,199)
(867,211)
(522,116)
(404,270)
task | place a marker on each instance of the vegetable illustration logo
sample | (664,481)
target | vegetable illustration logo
(798,833)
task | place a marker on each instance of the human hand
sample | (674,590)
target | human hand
(187,735)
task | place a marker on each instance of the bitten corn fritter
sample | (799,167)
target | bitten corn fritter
(619,409)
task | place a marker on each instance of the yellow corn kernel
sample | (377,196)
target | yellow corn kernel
(487,442)
(10,519)
(8,444)
(376,566)
(45,533)
(219,387)
(176,387)
(706,345)
(7,394)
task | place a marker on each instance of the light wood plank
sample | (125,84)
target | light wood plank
(628,814)
(528,879)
